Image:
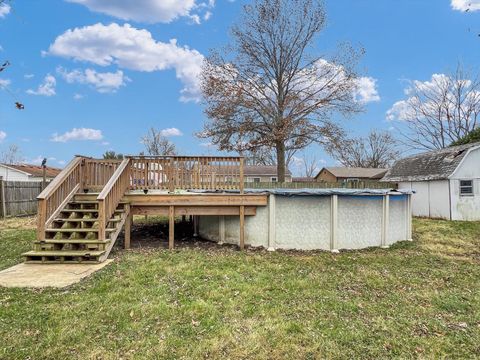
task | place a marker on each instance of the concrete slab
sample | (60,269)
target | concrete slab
(48,275)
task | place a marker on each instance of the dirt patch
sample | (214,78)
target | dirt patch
(154,235)
(15,223)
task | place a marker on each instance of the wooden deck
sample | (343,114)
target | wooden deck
(100,197)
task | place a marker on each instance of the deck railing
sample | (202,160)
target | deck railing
(115,177)
(57,192)
(186,172)
(111,195)
(98,172)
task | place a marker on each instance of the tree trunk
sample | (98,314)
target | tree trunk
(280,147)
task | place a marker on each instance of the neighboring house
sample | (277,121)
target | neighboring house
(264,173)
(340,174)
(446,182)
(26,172)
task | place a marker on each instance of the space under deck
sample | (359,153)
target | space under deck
(82,211)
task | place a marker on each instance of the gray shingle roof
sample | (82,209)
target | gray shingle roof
(432,165)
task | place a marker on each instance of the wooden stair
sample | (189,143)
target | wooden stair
(72,236)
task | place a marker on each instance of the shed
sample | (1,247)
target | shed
(446,182)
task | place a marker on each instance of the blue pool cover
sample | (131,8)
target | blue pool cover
(315,192)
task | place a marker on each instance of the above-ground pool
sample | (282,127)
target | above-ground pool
(323,219)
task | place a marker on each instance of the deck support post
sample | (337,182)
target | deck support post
(171,226)
(271,223)
(195,225)
(242,227)
(385,220)
(128,226)
(221,229)
(333,223)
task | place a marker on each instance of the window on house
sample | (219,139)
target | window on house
(256,179)
(273,179)
(466,187)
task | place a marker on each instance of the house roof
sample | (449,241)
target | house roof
(262,170)
(432,165)
(35,170)
(355,172)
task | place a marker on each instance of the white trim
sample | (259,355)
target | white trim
(333,223)
(461,162)
(12,168)
(272,235)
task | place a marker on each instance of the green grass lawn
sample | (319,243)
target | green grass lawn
(417,299)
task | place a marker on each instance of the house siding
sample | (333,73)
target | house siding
(466,207)
(326,176)
(431,198)
(12,175)
(264,178)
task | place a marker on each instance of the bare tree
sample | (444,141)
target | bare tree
(377,150)
(267,156)
(269,90)
(12,155)
(157,144)
(310,165)
(439,112)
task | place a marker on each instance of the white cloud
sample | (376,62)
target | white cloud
(150,11)
(367,90)
(326,75)
(464,5)
(133,49)
(171,132)
(399,111)
(103,82)
(420,97)
(47,88)
(39,159)
(4,82)
(3,135)
(61,162)
(28,76)
(4,10)
(78,96)
(78,134)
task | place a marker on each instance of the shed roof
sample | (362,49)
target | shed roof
(35,170)
(355,172)
(432,165)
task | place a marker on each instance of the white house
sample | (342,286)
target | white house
(446,182)
(26,172)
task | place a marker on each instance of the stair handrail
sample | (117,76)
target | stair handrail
(57,192)
(111,194)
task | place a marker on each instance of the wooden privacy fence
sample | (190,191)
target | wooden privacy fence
(321,185)
(18,198)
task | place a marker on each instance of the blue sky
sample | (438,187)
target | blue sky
(119,73)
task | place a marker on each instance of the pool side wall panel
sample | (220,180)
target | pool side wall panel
(305,222)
